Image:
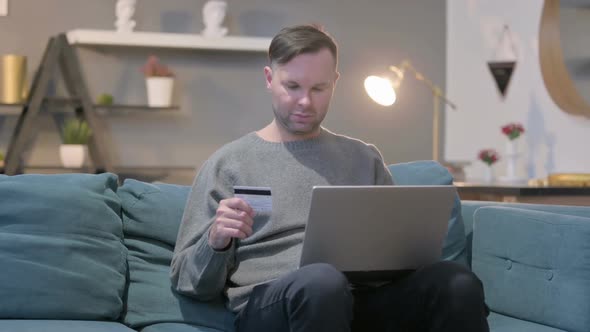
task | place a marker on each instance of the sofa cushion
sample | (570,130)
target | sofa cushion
(36,325)
(501,323)
(430,172)
(177,327)
(534,265)
(151,217)
(61,247)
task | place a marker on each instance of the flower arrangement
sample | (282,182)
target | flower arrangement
(489,156)
(513,130)
(154,68)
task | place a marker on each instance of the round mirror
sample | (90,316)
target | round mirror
(564,50)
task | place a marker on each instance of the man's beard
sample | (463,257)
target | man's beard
(285,122)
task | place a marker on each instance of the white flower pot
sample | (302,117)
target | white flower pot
(159,91)
(511,159)
(511,148)
(488,175)
(72,155)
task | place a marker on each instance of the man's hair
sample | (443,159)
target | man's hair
(300,39)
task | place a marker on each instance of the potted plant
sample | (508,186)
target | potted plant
(159,82)
(1,159)
(105,99)
(76,134)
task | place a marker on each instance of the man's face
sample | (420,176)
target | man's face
(301,92)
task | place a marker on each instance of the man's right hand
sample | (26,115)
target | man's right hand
(232,220)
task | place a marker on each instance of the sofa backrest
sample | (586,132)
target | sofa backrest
(61,247)
(535,265)
(151,216)
(430,172)
(468,209)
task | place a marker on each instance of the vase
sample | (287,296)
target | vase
(488,175)
(511,158)
(13,72)
(159,91)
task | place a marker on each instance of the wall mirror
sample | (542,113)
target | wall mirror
(564,50)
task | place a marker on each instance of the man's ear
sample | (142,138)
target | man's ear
(268,76)
(336,77)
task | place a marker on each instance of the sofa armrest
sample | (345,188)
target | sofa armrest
(534,265)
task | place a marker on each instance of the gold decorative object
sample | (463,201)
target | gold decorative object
(569,179)
(13,71)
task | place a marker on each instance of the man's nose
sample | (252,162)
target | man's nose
(305,99)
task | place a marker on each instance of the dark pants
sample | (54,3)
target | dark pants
(441,297)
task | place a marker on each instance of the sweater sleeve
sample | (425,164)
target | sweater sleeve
(382,175)
(197,269)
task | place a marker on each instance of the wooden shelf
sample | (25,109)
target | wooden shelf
(10,109)
(167,40)
(524,193)
(66,105)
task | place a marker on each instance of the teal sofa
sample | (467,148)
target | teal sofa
(83,253)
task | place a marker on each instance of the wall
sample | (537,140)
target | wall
(554,139)
(222,95)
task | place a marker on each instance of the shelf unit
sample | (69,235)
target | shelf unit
(59,53)
(167,40)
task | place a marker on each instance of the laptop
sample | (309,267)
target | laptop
(373,233)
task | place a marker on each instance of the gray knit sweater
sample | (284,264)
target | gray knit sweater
(290,169)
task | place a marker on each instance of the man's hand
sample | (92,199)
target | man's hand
(232,220)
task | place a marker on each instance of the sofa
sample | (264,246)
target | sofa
(85,253)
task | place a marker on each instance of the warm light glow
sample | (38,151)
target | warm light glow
(380,90)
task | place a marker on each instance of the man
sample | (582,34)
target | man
(224,246)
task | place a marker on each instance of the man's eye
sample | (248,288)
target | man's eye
(292,87)
(318,89)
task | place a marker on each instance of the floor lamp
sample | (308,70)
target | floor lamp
(382,91)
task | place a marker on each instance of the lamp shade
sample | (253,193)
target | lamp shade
(380,90)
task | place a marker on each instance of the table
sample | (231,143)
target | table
(522,193)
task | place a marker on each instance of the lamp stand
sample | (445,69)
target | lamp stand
(436,94)
(437,97)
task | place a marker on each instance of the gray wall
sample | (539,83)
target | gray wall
(222,94)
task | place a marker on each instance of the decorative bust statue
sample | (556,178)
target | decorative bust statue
(213,15)
(124,12)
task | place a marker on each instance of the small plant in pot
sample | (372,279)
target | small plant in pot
(1,159)
(159,82)
(76,134)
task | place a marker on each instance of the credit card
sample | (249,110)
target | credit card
(259,198)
